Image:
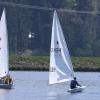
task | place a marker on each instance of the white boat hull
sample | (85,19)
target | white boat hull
(78,89)
(6,86)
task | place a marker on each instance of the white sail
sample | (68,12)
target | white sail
(3,46)
(61,68)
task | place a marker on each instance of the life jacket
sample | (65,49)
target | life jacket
(7,80)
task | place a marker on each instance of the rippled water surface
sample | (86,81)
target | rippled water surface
(34,86)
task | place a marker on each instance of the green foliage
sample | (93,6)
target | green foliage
(71,3)
(81,31)
(23,62)
(86,63)
(41,63)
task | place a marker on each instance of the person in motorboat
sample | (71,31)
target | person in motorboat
(74,83)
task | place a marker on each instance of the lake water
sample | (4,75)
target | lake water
(34,86)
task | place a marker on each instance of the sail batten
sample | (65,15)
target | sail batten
(61,68)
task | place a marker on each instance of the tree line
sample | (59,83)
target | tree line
(81,30)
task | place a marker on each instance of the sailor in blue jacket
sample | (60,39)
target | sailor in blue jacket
(74,83)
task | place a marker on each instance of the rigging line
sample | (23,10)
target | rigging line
(48,9)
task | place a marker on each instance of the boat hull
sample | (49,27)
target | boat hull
(6,86)
(78,89)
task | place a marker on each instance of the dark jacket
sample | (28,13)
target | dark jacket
(73,84)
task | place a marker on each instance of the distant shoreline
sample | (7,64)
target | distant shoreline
(41,63)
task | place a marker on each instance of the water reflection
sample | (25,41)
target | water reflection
(3,94)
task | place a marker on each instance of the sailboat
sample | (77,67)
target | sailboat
(61,68)
(4,56)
